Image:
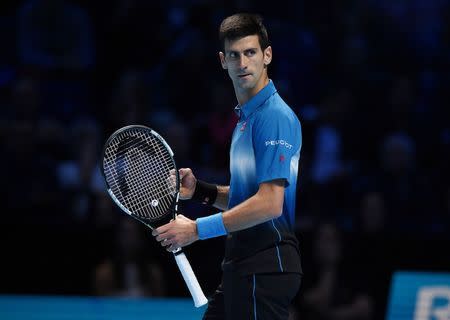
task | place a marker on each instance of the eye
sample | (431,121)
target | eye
(250,53)
(233,55)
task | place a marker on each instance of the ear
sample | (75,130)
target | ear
(222,60)
(267,55)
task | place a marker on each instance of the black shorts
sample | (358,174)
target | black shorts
(261,296)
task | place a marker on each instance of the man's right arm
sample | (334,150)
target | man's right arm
(222,197)
(188,186)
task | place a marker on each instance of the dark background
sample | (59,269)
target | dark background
(368,79)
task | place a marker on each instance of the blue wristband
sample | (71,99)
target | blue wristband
(211,226)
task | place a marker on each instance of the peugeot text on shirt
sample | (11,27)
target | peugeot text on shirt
(280,142)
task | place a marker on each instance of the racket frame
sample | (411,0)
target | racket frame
(153,223)
(180,258)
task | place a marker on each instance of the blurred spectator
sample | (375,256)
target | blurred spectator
(189,62)
(353,53)
(401,103)
(421,23)
(372,216)
(130,34)
(29,140)
(334,288)
(407,191)
(129,101)
(55,41)
(298,50)
(24,103)
(177,134)
(447,209)
(331,167)
(130,271)
(79,176)
(332,127)
(440,225)
(220,123)
(55,34)
(373,247)
(104,213)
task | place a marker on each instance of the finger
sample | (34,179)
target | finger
(183,172)
(165,236)
(172,248)
(166,243)
(172,180)
(161,229)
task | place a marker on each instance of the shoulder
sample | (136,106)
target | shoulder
(276,110)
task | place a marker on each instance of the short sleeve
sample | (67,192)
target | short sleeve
(276,142)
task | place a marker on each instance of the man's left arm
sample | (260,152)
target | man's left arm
(264,205)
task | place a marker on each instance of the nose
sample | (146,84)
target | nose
(243,61)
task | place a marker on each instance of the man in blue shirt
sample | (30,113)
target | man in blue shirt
(261,267)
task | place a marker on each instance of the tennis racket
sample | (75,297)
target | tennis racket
(137,166)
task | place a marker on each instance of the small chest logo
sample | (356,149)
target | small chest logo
(244,125)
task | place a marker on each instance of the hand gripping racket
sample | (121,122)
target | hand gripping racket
(137,164)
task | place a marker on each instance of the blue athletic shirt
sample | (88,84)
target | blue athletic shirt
(265,146)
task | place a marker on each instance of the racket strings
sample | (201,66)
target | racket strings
(160,184)
(143,167)
(138,173)
(138,201)
(163,166)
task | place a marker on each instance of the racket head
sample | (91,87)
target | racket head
(138,166)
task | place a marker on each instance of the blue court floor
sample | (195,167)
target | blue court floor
(81,308)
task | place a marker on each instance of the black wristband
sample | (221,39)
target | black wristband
(205,193)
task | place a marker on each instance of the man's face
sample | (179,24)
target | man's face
(246,63)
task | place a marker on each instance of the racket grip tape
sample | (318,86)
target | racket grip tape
(190,279)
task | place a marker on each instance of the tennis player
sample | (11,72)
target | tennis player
(261,267)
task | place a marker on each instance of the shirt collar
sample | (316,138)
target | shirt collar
(251,105)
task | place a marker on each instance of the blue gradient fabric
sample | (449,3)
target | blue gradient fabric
(265,146)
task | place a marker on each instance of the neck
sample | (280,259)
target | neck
(244,95)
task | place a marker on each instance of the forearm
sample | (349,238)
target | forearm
(222,197)
(265,205)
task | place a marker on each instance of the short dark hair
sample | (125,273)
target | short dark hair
(242,25)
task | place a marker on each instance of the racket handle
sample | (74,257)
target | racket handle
(190,279)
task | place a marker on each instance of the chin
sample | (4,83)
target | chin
(246,85)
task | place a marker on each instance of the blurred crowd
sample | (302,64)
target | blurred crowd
(368,79)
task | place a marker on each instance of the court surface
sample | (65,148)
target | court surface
(83,308)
